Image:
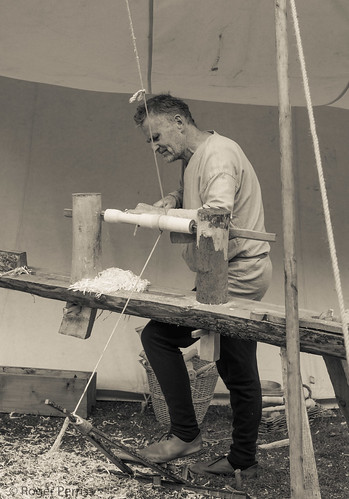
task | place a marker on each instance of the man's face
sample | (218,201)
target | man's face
(166,134)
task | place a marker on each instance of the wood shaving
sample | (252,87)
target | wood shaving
(110,281)
(16,271)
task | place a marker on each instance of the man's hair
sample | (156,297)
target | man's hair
(163,104)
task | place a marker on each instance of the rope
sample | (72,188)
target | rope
(117,323)
(142,92)
(323,191)
(58,440)
(137,96)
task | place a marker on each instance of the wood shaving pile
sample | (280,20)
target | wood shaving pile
(27,469)
(111,280)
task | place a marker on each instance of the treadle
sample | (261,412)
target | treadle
(162,477)
(229,493)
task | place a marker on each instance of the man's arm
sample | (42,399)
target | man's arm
(220,192)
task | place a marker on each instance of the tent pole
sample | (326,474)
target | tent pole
(291,291)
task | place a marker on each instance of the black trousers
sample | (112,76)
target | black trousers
(238,369)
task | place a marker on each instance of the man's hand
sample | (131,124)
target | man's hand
(147,208)
(168,202)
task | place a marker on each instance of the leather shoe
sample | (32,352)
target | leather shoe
(170,447)
(167,448)
(221,466)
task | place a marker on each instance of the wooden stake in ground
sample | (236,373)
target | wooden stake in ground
(311,480)
(291,291)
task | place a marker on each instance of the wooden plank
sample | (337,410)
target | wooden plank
(307,319)
(10,260)
(23,390)
(180,307)
(39,371)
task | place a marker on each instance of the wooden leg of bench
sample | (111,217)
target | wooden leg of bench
(77,321)
(339,375)
(209,344)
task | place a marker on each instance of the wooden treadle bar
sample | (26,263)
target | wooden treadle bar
(104,444)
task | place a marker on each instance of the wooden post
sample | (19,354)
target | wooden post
(339,374)
(212,237)
(77,320)
(212,255)
(311,480)
(297,484)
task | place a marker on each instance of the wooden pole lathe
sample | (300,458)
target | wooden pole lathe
(294,392)
(86,253)
(212,236)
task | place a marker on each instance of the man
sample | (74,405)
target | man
(215,173)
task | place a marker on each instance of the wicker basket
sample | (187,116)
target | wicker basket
(203,379)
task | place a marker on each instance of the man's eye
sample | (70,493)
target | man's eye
(154,138)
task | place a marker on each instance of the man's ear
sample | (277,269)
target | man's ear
(179,121)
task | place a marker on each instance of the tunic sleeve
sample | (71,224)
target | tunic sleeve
(220,192)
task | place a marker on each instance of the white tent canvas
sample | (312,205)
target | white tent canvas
(213,50)
(68,69)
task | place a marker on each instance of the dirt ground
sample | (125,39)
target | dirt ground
(79,470)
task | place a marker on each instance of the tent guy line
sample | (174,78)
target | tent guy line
(140,93)
(323,190)
(58,440)
(162,194)
(118,321)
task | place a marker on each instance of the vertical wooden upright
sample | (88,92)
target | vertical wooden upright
(339,374)
(212,237)
(291,289)
(77,320)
